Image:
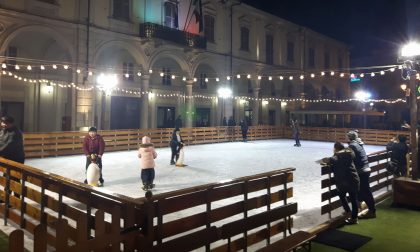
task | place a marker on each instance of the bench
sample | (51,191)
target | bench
(291,242)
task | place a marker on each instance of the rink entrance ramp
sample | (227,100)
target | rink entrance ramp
(64,215)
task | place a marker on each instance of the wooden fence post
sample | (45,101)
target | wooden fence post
(16,241)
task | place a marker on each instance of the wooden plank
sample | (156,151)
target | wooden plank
(289,243)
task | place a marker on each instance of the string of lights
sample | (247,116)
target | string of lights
(138,92)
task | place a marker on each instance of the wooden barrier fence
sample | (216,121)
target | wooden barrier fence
(70,143)
(231,215)
(380,179)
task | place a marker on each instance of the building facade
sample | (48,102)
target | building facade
(165,62)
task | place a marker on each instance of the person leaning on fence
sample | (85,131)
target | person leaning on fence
(362,166)
(244,129)
(11,142)
(93,143)
(346,179)
(399,149)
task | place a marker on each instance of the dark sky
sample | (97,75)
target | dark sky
(374,29)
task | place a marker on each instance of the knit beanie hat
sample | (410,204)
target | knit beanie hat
(352,135)
(145,140)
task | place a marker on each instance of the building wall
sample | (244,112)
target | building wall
(48,34)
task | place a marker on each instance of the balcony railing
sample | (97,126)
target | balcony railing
(151,30)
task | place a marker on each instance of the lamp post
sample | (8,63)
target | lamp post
(224,92)
(106,82)
(362,96)
(410,54)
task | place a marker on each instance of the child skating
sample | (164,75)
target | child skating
(147,155)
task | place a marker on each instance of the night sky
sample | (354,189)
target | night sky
(374,29)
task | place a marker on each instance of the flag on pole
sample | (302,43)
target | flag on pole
(198,13)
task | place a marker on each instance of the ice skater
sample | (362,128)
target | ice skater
(296,131)
(93,143)
(244,129)
(176,141)
(147,155)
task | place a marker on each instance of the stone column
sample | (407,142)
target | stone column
(144,109)
(190,112)
(256,106)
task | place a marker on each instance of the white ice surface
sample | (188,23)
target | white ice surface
(211,163)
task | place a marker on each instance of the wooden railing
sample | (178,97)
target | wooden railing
(230,215)
(70,143)
(380,180)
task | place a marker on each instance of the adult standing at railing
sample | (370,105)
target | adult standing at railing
(11,142)
(296,131)
(362,165)
(94,144)
(399,150)
(244,129)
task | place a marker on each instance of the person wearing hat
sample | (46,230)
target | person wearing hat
(147,155)
(362,166)
(93,143)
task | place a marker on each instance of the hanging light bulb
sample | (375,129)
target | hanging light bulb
(392,69)
(291,78)
(312,75)
(270,78)
(17,67)
(150,71)
(66,67)
(281,77)
(362,75)
(90,73)
(126,75)
(29,67)
(217,79)
(382,72)
(372,74)
(206,80)
(342,75)
(184,78)
(173,77)
(302,77)
(332,73)
(4,65)
(322,73)
(161,74)
(228,77)
(138,74)
(259,77)
(55,66)
(238,76)
(352,75)
(248,76)
(78,71)
(42,67)
(195,79)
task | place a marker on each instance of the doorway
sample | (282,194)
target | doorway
(166,117)
(125,112)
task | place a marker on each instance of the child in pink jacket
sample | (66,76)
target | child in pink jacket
(147,154)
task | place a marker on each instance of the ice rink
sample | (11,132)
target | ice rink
(211,163)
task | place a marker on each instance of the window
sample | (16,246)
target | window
(47,1)
(249,86)
(269,49)
(166,78)
(128,71)
(171,14)
(203,83)
(273,89)
(209,28)
(244,39)
(311,60)
(327,60)
(121,10)
(290,52)
(12,53)
(340,62)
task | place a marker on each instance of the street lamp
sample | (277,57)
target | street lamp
(224,92)
(410,55)
(362,96)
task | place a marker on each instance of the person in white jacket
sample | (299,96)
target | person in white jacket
(147,154)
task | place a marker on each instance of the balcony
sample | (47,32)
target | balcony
(151,30)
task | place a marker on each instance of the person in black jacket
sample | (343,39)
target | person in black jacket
(11,140)
(244,129)
(346,179)
(175,144)
(11,143)
(362,166)
(399,150)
